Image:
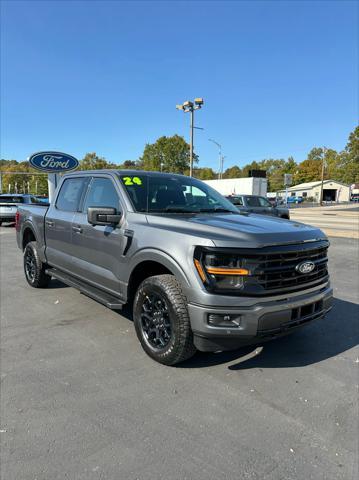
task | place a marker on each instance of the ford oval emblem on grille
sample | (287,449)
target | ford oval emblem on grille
(305,267)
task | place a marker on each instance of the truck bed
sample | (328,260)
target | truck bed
(32,215)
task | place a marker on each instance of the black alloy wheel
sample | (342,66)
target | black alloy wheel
(155,321)
(30,265)
(161,319)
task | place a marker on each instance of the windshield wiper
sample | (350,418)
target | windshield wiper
(216,210)
(179,210)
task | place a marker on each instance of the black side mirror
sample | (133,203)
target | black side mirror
(103,216)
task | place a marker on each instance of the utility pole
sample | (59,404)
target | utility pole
(323,168)
(191,107)
(220,157)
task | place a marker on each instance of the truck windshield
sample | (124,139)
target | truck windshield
(173,194)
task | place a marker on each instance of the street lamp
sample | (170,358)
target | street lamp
(221,157)
(190,107)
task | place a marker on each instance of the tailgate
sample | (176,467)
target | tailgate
(8,208)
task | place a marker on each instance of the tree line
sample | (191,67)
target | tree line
(172,154)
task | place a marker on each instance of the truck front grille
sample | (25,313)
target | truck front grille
(275,270)
(278,271)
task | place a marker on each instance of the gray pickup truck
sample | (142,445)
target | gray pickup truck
(199,273)
(258,204)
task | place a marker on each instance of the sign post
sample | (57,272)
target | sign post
(53,163)
(287,182)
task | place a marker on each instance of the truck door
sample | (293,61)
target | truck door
(97,249)
(58,222)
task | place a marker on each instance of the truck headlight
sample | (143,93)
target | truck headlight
(223,271)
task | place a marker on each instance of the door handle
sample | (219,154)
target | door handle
(49,223)
(77,229)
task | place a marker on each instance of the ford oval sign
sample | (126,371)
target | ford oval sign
(305,267)
(53,162)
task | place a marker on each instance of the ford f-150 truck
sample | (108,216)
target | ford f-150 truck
(199,273)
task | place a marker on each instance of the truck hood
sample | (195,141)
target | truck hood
(242,230)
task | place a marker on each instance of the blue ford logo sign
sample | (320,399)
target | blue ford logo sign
(53,162)
(305,267)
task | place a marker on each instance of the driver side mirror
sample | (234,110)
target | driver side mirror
(103,216)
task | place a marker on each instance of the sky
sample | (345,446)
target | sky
(277,77)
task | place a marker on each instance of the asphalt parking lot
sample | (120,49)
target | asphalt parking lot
(81,400)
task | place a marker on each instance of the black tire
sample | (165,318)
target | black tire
(34,268)
(172,340)
(0,223)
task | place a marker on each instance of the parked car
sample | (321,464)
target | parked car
(42,199)
(257,204)
(294,199)
(198,273)
(9,204)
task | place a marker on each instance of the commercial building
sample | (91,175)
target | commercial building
(333,191)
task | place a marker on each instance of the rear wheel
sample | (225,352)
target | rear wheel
(161,320)
(34,268)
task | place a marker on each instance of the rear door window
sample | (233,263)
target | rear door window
(71,193)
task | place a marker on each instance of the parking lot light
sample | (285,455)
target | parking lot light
(190,107)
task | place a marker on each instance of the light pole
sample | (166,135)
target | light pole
(221,158)
(190,107)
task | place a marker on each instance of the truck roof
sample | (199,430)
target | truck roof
(124,172)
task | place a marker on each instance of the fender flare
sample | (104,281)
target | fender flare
(162,257)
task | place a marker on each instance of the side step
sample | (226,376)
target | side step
(99,295)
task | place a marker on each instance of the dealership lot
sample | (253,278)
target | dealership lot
(81,400)
(334,220)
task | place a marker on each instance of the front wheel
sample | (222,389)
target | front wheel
(161,320)
(34,268)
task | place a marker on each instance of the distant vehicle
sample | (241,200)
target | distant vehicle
(9,203)
(257,204)
(42,199)
(294,199)
(276,201)
(355,197)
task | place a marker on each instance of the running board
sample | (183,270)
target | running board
(99,295)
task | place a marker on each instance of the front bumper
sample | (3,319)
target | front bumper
(261,321)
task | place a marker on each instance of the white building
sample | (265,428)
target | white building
(333,191)
(240,186)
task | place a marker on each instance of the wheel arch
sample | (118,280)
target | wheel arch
(150,263)
(28,235)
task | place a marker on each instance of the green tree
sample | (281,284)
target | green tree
(233,172)
(348,160)
(92,161)
(130,164)
(310,169)
(169,154)
(205,173)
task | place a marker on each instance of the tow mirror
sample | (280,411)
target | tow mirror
(103,216)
